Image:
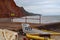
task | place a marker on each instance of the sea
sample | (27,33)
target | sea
(50,19)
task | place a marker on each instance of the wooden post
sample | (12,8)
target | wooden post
(26,19)
(39,19)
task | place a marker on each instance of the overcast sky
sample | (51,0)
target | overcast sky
(44,7)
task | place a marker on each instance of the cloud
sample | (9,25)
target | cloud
(44,7)
(51,10)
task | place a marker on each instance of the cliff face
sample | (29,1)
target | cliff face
(9,9)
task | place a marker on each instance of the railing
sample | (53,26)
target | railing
(28,19)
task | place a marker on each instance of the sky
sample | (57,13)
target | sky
(43,7)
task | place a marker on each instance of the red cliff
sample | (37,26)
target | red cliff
(9,9)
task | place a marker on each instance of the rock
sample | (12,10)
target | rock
(9,9)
